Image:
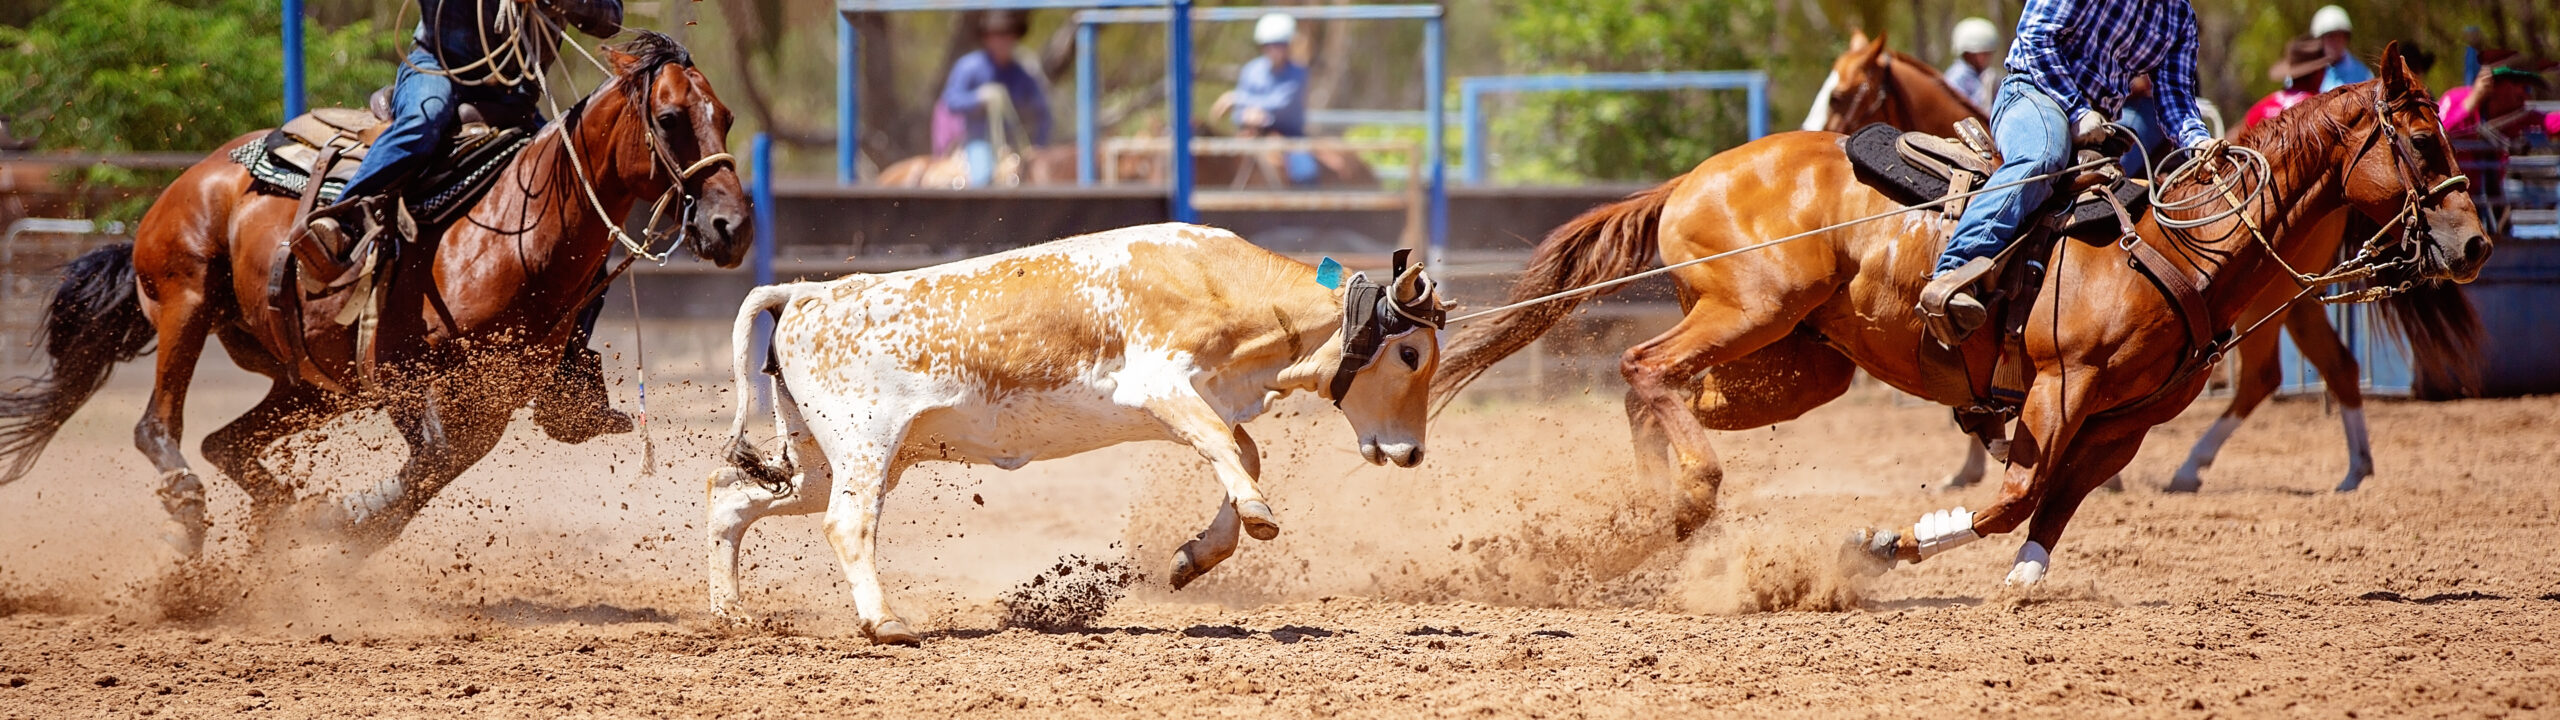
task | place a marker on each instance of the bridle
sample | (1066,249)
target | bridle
(1870,99)
(1371,319)
(679,189)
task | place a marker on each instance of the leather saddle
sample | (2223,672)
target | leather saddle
(1986,378)
(313,156)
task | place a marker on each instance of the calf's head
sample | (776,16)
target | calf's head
(1390,344)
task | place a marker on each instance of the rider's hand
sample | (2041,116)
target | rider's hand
(1256,117)
(2212,148)
(991,93)
(2089,121)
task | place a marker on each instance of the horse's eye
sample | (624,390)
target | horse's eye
(670,117)
(1412,358)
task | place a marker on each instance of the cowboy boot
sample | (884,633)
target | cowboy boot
(1947,305)
(577,407)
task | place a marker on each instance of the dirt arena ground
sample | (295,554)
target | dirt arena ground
(1521,572)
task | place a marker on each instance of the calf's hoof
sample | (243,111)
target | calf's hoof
(1258,520)
(893,632)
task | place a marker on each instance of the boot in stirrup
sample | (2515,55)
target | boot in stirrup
(1947,305)
(577,408)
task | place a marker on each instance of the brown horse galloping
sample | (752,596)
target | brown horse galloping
(1873,84)
(1771,334)
(471,323)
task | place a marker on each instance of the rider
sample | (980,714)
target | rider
(461,57)
(1976,72)
(986,77)
(1271,94)
(2330,25)
(2069,70)
(2489,117)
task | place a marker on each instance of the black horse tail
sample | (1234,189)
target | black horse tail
(93,321)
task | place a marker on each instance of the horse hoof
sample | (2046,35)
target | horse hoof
(1871,552)
(2033,561)
(1958,481)
(2351,483)
(892,632)
(1185,571)
(1258,520)
(2184,484)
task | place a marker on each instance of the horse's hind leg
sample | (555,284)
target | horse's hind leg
(2260,373)
(1975,459)
(182,320)
(1713,333)
(289,408)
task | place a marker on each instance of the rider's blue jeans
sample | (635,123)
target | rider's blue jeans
(2034,139)
(2142,115)
(423,111)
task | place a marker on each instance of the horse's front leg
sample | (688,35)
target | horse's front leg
(2054,411)
(2100,453)
(448,428)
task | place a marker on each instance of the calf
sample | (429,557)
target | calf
(1161,332)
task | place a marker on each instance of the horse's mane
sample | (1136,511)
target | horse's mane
(2297,142)
(654,50)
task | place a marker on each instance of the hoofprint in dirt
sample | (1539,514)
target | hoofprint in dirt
(2428,592)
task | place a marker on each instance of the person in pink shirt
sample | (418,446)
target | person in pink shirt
(2488,118)
(2306,61)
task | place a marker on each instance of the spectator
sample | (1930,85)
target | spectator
(1271,95)
(2330,25)
(989,79)
(2488,118)
(2306,62)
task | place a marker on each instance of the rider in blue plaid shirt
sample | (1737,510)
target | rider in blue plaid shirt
(2070,68)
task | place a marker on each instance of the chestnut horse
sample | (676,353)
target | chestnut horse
(1872,83)
(1771,334)
(472,323)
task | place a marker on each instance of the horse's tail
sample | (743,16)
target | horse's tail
(2442,333)
(93,321)
(1607,243)
(765,300)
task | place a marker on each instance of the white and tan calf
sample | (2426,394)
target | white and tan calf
(1161,332)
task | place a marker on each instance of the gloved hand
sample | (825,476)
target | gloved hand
(2088,121)
(992,93)
(2213,148)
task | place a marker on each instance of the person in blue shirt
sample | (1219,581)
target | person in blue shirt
(989,86)
(2331,26)
(1271,95)
(2070,69)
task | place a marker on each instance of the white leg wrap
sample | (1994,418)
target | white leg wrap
(2359,447)
(2033,561)
(1943,530)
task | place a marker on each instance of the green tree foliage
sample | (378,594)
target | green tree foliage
(1551,137)
(172,75)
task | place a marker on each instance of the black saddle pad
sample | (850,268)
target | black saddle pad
(1873,152)
(452,182)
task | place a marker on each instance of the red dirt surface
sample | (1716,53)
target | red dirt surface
(1521,572)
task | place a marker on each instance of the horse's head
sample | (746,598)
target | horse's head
(1865,76)
(683,130)
(1390,344)
(2401,172)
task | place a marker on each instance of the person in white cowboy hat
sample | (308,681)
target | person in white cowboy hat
(1977,69)
(2331,26)
(1271,94)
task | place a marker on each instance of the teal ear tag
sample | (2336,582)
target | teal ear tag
(1329,274)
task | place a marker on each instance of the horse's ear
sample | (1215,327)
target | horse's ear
(2395,71)
(1858,39)
(623,63)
